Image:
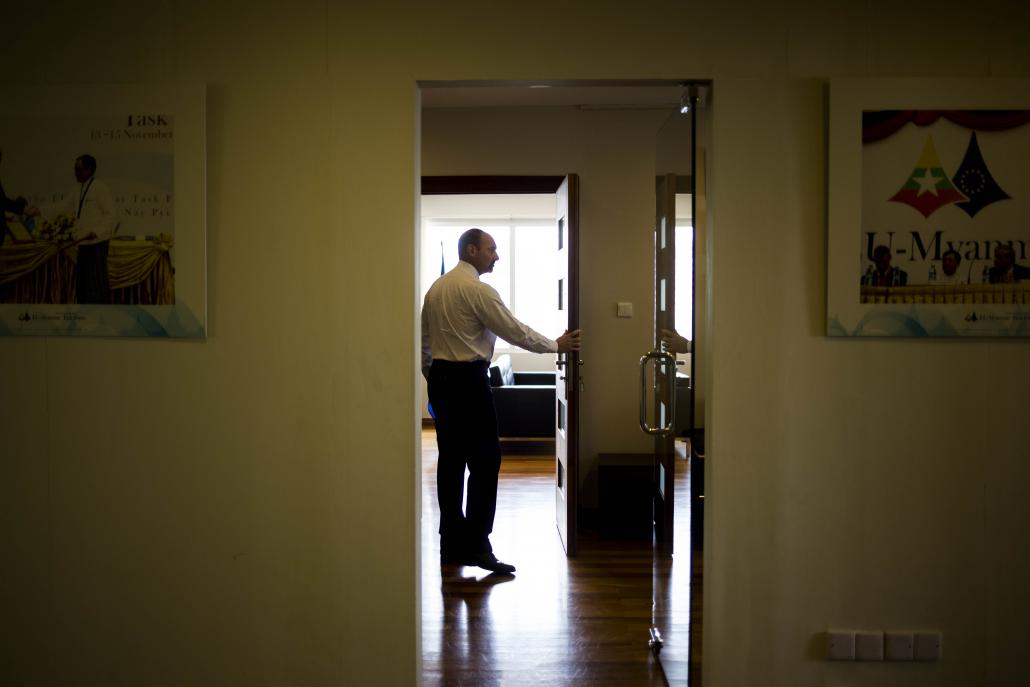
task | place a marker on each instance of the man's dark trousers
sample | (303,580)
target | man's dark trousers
(91,281)
(466,434)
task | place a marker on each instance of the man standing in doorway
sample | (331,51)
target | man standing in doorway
(461,319)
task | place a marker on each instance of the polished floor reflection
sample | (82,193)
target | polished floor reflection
(677,590)
(556,621)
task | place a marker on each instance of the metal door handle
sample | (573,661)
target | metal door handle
(669,360)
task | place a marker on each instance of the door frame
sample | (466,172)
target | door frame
(450,185)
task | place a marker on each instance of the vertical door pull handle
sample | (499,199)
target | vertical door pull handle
(670,361)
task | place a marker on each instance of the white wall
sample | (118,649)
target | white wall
(247,515)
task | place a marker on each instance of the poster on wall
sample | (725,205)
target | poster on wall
(103,224)
(929,208)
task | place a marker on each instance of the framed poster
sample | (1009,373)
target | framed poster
(103,227)
(929,208)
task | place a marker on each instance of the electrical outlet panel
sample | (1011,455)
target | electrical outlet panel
(898,646)
(876,645)
(868,646)
(926,646)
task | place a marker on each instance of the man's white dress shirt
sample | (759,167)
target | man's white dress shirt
(91,205)
(463,316)
(955,278)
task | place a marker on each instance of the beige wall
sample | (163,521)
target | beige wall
(246,513)
(859,484)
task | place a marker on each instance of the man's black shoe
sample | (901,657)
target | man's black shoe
(488,561)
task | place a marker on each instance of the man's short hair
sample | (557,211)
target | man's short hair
(881,250)
(88,161)
(958,256)
(1006,247)
(472,237)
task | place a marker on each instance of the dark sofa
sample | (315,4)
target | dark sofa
(524,401)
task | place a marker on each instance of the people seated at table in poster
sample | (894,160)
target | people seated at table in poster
(1006,270)
(89,203)
(948,274)
(881,273)
(15,206)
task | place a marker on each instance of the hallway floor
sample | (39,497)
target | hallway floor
(555,622)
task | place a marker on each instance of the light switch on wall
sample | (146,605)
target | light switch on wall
(897,646)
(869,646)
(926,646)
(625,310)
(840,645)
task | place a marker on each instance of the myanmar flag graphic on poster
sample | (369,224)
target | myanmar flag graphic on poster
(928,187)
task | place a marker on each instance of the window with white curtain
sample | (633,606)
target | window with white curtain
(526,272)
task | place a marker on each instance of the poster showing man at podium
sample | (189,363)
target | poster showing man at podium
(109,240)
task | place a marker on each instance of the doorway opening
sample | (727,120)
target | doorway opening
(605,132)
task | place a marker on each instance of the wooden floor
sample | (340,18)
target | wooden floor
(557,621)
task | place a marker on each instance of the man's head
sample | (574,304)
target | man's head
(950,261)
(85,167)
(882,257)
(478,248)
(1004,258)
